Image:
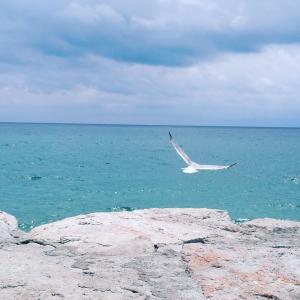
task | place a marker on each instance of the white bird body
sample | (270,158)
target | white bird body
(194,167)
(189,170)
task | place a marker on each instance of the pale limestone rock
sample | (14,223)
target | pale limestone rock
(8,225)
(151,254)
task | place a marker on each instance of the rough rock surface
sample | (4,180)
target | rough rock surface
(151,254)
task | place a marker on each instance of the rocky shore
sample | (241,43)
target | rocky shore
(151,254)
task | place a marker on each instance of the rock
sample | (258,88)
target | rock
(8,226)
(151,254)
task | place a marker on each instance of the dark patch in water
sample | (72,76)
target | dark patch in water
(35,178)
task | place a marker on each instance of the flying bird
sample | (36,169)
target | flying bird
(194,167)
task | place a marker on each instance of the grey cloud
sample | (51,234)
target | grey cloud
(180,61)
(173,33)
(244,89)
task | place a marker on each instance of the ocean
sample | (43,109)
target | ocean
(52,171)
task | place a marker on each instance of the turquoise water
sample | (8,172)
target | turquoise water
(48,172)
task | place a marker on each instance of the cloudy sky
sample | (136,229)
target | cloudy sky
(192,62)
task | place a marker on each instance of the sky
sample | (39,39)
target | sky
(185,62)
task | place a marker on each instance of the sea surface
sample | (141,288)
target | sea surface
(49,172)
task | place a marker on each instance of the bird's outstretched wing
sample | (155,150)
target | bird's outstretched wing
(180,151)
(193,166)
(211,167)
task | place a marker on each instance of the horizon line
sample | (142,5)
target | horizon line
(146,125)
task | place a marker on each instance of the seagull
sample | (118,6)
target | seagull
(193,167)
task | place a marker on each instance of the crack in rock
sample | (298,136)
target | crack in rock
(195,241)
(35,241)
(12,285)
(268,296)
(57,295)
(65,240)
(132,290)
